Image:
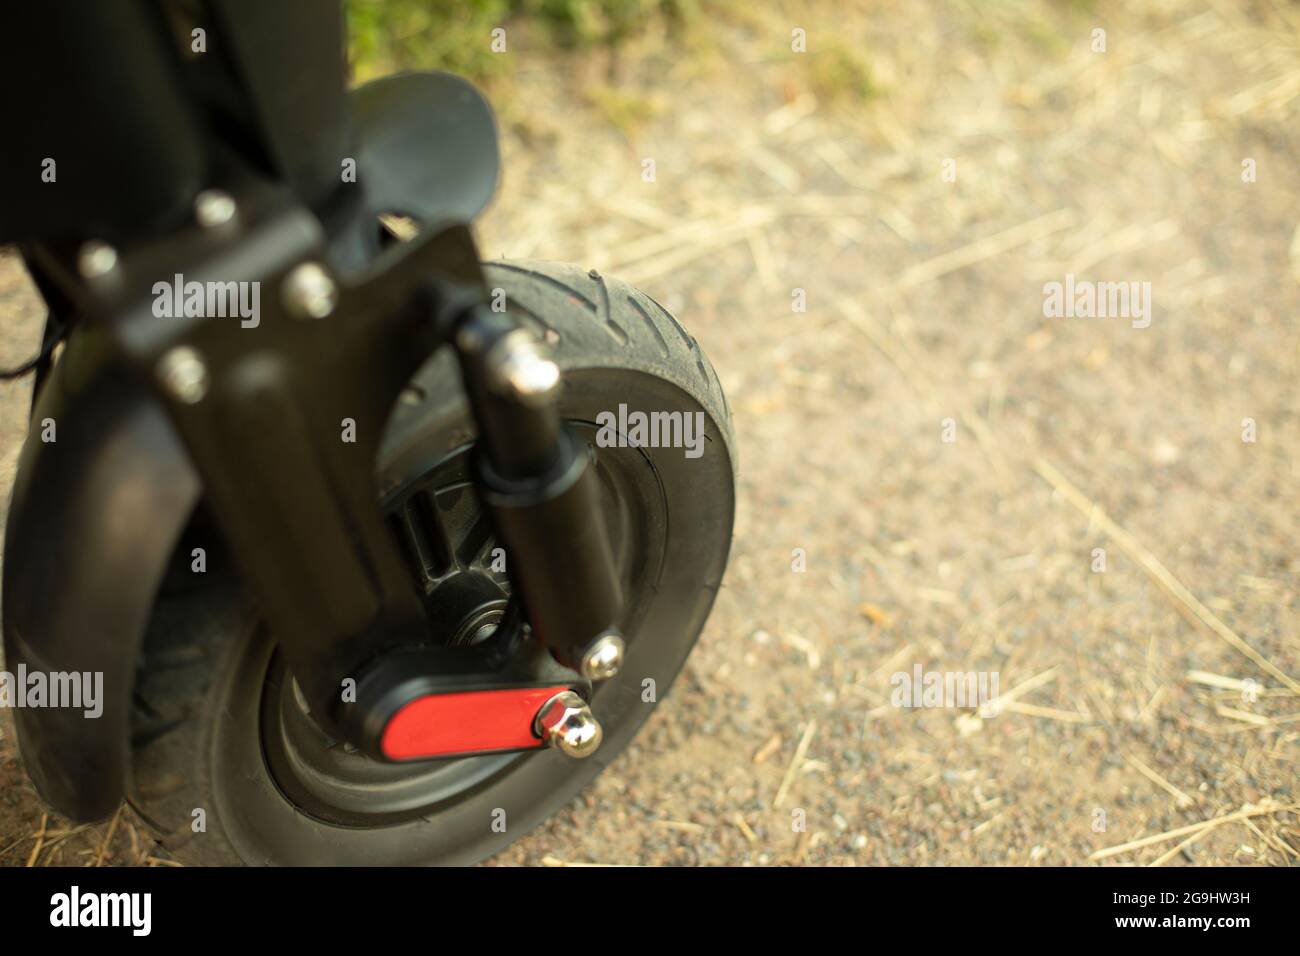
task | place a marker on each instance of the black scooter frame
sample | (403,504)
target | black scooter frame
(296,501)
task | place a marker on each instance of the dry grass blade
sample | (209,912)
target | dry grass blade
(1168,855)
(986,248)
(1245,716)
(1183,799)
(1157,571)
(1024,687)
(790,771)
(1221,682)
(556,862)
(40,840)
(1263,809)
(1047,713)
(108,838)
(764,752)
(921,382)
(744,828)
(682,825)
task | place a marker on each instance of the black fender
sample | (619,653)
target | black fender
(96,514)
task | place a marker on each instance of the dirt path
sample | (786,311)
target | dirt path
(942,459)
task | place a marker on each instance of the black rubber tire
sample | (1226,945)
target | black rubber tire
(205,655)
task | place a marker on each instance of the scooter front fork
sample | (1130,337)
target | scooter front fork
(283,423)
(537,482)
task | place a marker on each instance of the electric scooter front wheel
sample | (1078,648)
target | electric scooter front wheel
(228,765)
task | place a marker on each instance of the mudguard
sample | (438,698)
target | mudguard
(97,513)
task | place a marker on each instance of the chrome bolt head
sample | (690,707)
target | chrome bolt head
(183,373)
(309,292)
(603,658)
(518,367)
(566,723)
(96,259)
(213,208)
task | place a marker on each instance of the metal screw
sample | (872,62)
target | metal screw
(517,366)
(96,259)
(309,292)
(565,722)
(183,373)
(603,658)
(212,208)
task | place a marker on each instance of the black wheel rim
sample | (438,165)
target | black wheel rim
(449,548)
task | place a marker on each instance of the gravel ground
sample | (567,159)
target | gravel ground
(929,465)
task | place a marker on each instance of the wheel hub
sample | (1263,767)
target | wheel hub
(453,560)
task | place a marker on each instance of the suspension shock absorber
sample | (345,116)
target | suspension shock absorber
(536,480)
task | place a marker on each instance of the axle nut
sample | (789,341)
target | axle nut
(566,723)
(603,659)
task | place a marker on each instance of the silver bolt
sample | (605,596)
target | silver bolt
(309,292)
(96,259)
(603,658)
(183,373)
(565,722)
(517,367)
(212,208)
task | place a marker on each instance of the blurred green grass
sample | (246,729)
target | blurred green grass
(456,35)
(387,36)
